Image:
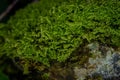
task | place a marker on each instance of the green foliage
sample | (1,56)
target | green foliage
(55,29)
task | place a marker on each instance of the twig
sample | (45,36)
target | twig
(8,9)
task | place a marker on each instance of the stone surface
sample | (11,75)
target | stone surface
(105,62)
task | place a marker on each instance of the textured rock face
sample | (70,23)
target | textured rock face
(105,62)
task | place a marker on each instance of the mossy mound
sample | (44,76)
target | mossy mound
(53,31)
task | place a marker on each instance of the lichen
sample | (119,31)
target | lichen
(105,63)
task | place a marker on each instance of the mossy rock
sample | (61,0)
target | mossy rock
(54,30)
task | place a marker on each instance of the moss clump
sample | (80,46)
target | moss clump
(54,30)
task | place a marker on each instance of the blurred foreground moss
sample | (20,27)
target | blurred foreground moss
(3,76)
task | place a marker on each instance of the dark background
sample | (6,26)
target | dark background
(4,4)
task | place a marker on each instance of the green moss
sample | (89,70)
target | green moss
(54,30)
